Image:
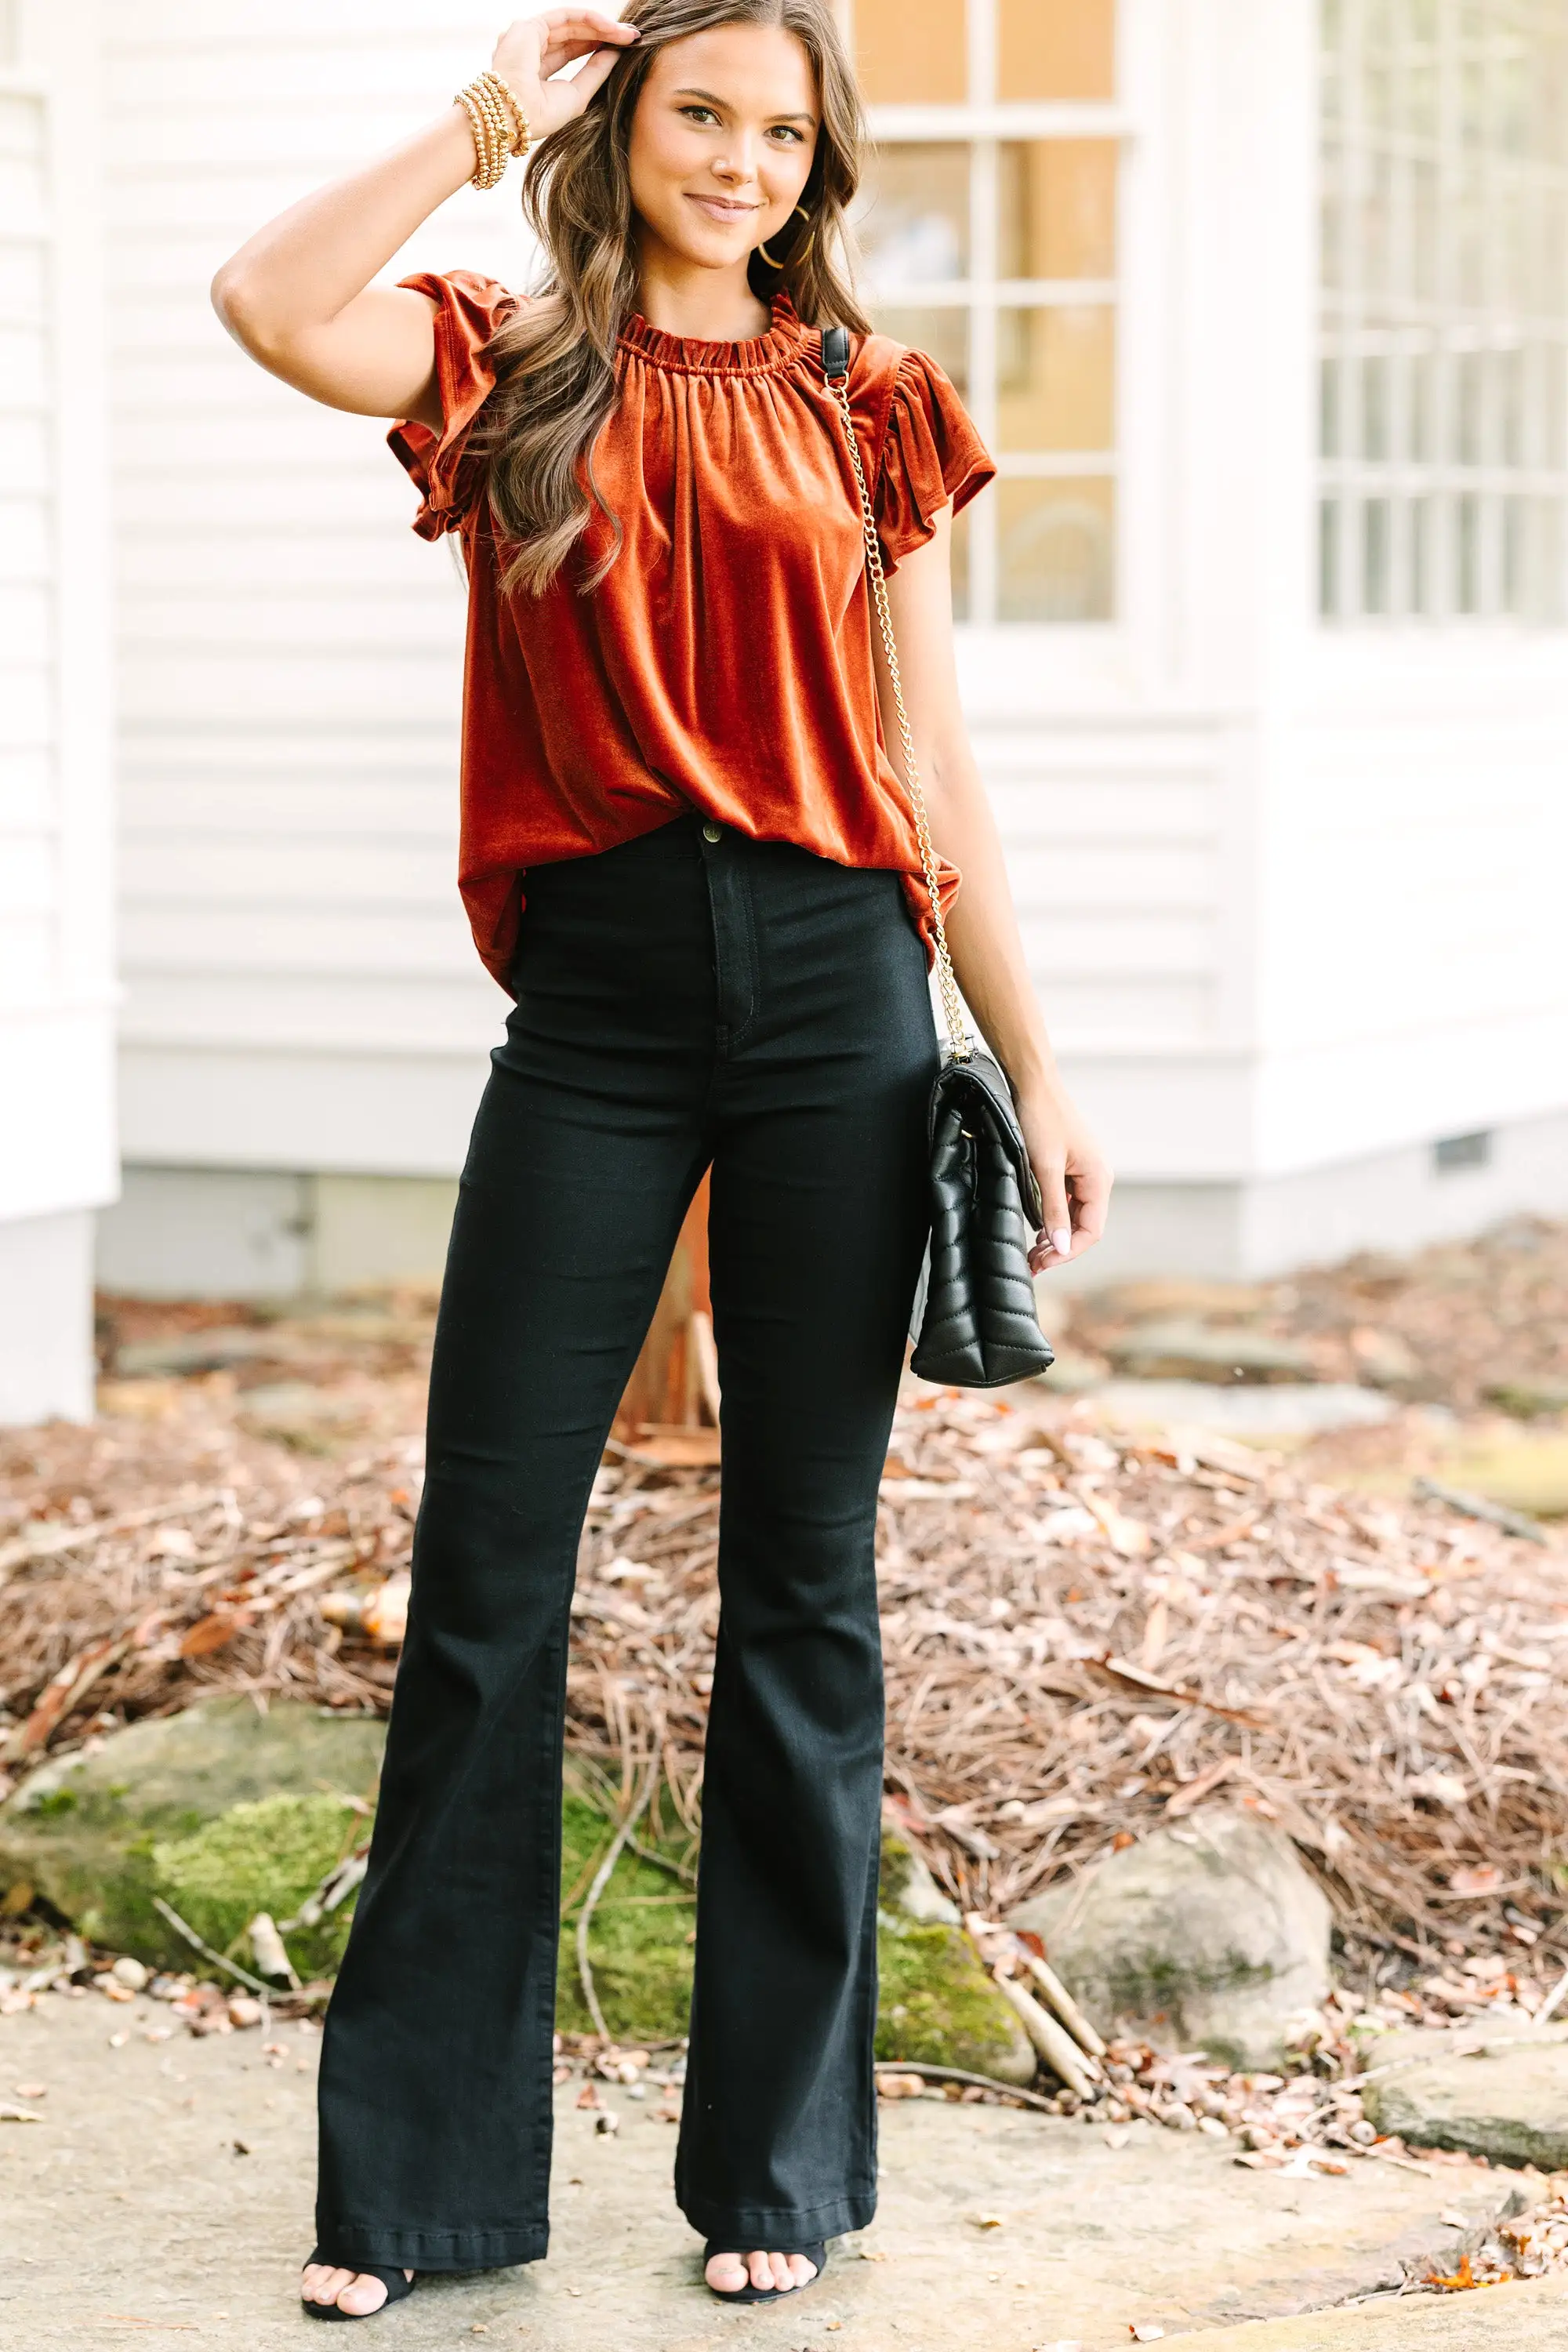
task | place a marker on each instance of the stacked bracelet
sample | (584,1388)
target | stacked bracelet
(499,124)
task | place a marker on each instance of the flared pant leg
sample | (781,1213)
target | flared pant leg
(435,2103)
(818,1219)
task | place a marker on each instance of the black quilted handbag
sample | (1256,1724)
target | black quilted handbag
(979,1329)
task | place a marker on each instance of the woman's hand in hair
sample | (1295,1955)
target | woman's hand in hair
(536,47)
(300,295)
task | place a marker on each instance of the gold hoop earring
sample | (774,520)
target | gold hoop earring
(804,249)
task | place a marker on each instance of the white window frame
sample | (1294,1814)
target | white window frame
(1396,324)
(983,123)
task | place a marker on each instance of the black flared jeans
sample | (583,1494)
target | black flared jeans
(690,999)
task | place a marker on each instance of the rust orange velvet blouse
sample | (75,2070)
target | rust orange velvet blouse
(724,662)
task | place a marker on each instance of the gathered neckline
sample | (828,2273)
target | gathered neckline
(692,356)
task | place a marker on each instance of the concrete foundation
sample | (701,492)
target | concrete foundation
(262,1233)
(241,1232)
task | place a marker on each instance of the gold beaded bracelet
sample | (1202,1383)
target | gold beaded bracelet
(499,124)
(490,154)
(518,137)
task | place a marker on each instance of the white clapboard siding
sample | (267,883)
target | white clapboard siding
(1414,983)
(56,1022)
(290,654)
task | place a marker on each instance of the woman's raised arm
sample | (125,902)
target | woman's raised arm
(298,295)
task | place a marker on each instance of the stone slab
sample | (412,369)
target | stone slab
(130,2215)
(1504,2096)
(1530,2318)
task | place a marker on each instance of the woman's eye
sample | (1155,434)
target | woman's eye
(695,110)
(789,130)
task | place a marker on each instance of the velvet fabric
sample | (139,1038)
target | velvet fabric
(724,664)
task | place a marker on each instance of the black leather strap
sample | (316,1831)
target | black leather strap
(835,352)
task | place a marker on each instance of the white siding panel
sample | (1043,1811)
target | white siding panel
(56,1099)
(321,872)
(25,549)
(284,938)
(407,1010)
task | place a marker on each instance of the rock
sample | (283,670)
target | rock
(937,2006)
(193,1351)
(1383,1359)
(94,1831)
(640,1939)
(1212,1936)
(1508,2101)
(1277,1408)
(1528,1396)
(1526,1472)
(907,1887)
(262,1857)
(1073,1374)
(1179,1349)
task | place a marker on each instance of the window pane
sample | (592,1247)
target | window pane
(1056,550)
(942,334)
(1445,135)
(1058,200)
(1328,556)
(1056,49)
(1055,378)
(911,52)
(913,225)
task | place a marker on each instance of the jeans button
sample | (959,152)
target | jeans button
(712,833)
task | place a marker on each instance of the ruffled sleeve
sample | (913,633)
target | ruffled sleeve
(931,454)
(469,310)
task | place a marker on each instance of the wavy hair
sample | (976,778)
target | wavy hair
(555,362)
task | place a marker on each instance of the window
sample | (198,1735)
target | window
(1445,335)
(988,228)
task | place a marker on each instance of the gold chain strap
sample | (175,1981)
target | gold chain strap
(947,981)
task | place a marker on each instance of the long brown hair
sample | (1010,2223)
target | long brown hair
(554,362)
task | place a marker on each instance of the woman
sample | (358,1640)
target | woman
(688,858)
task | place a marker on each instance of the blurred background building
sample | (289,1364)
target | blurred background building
(1262,306)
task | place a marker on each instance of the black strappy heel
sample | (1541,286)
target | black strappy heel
(816,2253)
(393,2280)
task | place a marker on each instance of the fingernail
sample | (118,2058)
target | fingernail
(1061,1241)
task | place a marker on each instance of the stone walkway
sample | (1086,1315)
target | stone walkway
(167,2192)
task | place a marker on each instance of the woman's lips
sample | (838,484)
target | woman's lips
(717,209)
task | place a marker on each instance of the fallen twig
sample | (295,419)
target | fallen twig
(183,1927)
(628,1821)
(962,2074)
(1477,1506)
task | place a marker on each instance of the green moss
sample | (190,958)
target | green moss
(939,2008)
(264,1856)
(637,1938)
(56,1801)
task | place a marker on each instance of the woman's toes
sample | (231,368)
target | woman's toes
(727,2274)
(801,2269)
(322,2283)
(361,2295)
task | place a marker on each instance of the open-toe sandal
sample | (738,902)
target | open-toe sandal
(816,2253)
(393,2280)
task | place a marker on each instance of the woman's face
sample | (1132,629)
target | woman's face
(721,142)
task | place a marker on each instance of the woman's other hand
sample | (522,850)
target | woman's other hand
(533,49)
(1073,1177)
